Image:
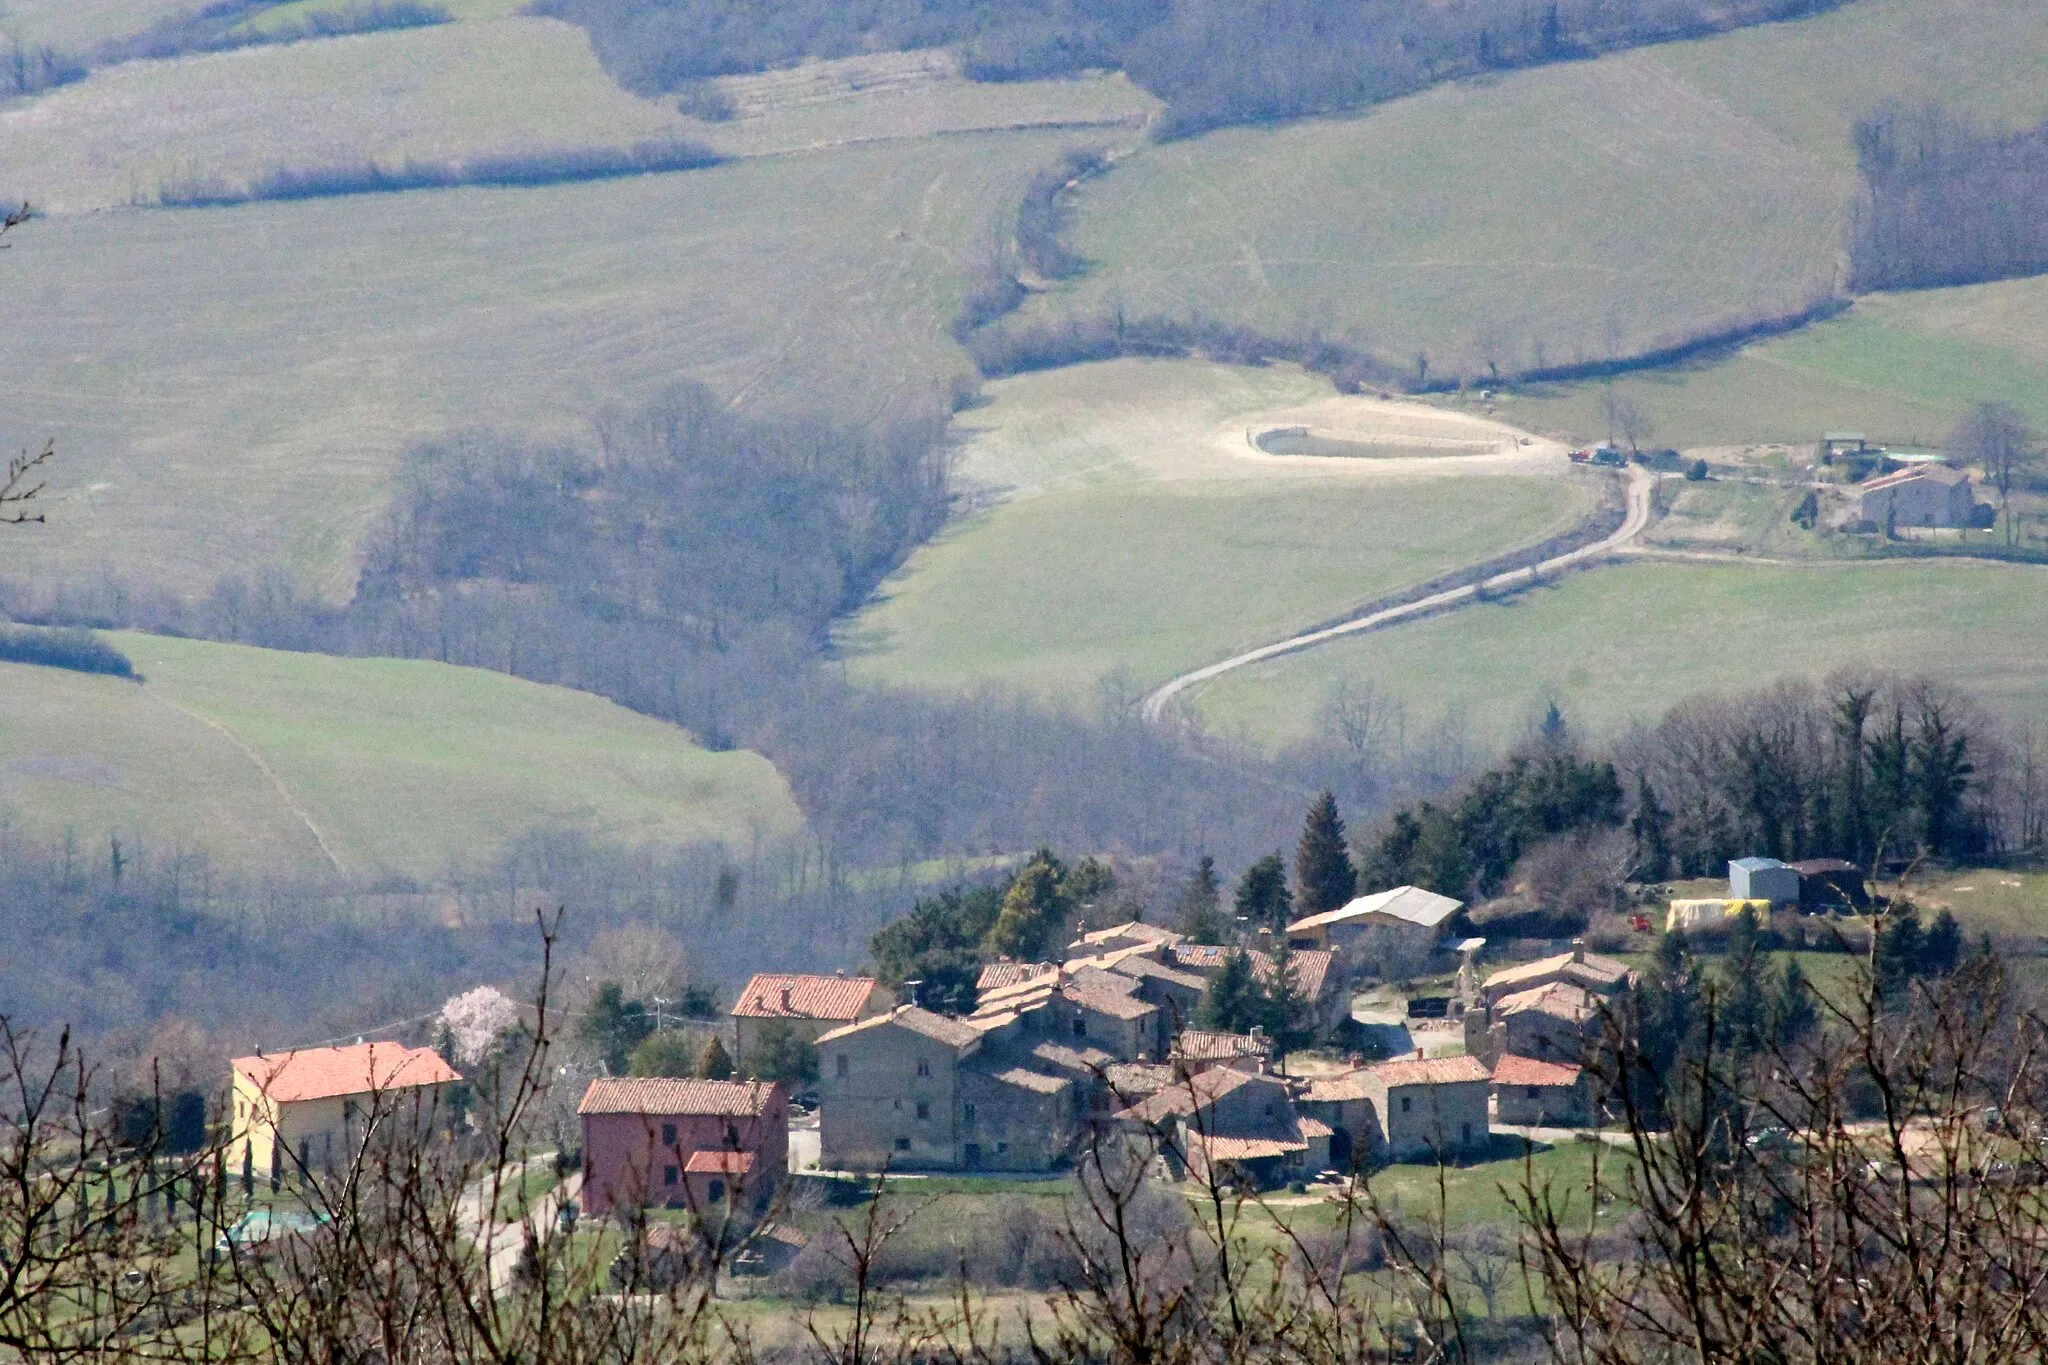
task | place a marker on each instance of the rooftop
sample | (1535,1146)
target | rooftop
(1024,1078)
(330,1072)
(954,1033)
(1582,968)
(767,996)
(1558,999)
(1930,473)
(707,1162)
(1197,1092)
(998,975)
(1220,1148)
(1352,1085)
(1403,904)
(1430,1071)
(1755,864)
(1131,931)
(1513,1070)
(669,1095)
(1201,1046)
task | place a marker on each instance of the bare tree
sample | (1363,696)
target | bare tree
(1995,437)
(1625,419)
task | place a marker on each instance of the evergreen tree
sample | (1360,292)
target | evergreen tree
(1323,876)
(716,1063)
(1940,775)
(613,1026)
(1898,951)
(1793,1014)
(1033,910)
(1201,916)
(1287,1015)
(1650,827)
(782,1054)
(1941,948)
(669,1052)
(1262,894)
(1232,1002)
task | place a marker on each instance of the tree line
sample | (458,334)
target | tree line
(1213,63)
(1946,202)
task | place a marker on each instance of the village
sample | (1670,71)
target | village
(1058,1062)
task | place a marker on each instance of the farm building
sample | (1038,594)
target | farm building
(1763,879)
(1924,495)
(1391,929)
(681,1143)
(298,1112)
(1830,884)
(1540,1094)
(1694,912)
(809,1005)
(1431,1109)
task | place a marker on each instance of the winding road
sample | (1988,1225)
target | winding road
(1640,481)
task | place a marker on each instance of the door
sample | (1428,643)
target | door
(970,1156)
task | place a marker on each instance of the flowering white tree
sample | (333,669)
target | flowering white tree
(474,1020)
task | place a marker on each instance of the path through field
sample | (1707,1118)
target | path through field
(1640,482)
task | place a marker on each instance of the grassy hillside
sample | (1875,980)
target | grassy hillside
(233,387)
(456,91)
(1552,215)
(75,24)
(400,766)
(1138,531)
(1618,644)
(1900,367)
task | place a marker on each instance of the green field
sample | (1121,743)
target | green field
(1554,215)
(71,25)
(1619,644)
(1133,538)
(401,766)
(234,387)
(1899,367)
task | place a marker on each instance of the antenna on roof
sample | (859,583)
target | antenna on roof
(914,986)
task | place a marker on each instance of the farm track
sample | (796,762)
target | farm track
(1385,611)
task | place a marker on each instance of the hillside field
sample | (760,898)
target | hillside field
(1553,215)
(1621,643)
(403,767)
(1133,530)
(233,387)
(1901,368)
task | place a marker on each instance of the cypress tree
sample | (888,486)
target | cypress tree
(1651,828)
(1262,893)
(1287,1014)
(1232,1003)
(1201,902)
(1323,876)
(716,1064)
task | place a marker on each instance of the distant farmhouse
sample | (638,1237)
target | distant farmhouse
(1924,495)
(692,1144)
(305,1111)
(807,1005)
(1388,929)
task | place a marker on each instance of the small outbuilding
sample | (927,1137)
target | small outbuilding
(1830,884)
(1540,1094)
(1763,879)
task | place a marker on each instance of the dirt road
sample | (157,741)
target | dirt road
(1640,482)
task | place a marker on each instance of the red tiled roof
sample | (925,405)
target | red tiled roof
(1184,1097)
(329,1072)
(708,1162)
(1513,1070)
(1219,1148)
(1210,1047)
(1313,1128)
(1932,473)
(768,996)
(1353,1085)
(667,1095)
(1430,1071)
(996,975)
(954,1033)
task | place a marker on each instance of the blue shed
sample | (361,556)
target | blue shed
(1763,879)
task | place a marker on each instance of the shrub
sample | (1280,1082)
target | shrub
(1696,472)
(81,651)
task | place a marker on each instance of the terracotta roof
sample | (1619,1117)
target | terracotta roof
(1201,1046)
(997,975)
(1219,1148)
(1311,968)
(708,1162)
(1559,1000)
(1313,1128)
(1147,969)
(1589,969)
(954,1033)
(1133,930)
(1131,1081)
(1097,979)
(329,1072)
(1202,957)
(1184,1097)
(1404,904)
(1353,1085)
(1101,999)
(1430,1071)
(1026,1079)
(1513,1070)
(668,1095)
(767,996)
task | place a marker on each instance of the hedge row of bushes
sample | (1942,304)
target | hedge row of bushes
(78,650)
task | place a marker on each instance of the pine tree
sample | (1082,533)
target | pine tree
(1793,1016)
(1200,904)
(1287,1014)
(1033,909)
(716,1064)
(1233,1002)
(1650,826)
(1323,876)
(1262,893)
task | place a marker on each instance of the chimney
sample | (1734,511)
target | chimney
(785,1000)
(1578,950)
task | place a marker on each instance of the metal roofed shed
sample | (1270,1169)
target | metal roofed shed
(1830,884)
(1763,879)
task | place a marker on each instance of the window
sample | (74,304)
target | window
(1530,1093)
(1080,1027)
(669,1175)
(1407,1102)
(717,1191)
(897,1104)
(839,1066)
(902,1144)
(732,1138)
(967,1112)
(1465,1133)
(924,1109)
(668,1135)
(924,1068)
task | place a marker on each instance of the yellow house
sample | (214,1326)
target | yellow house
(304,1110)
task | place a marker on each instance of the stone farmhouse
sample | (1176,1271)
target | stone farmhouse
(692,1144)
(1388,931)
(1431,1109)
(306,1111)
(1540,1094)
(1537,1024)
(808,1005)
(1924,495)
(1230,1125)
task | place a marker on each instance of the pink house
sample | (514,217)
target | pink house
(682,1143)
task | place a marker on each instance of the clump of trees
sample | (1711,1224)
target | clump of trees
(1945,202)
(78,650)
(225,25)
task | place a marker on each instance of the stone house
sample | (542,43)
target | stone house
(1320,980)
(1392,933)
(304,1111)
(1196,1050)
(1130,934)
(914,1090)
(1924,495)
(1347,1106)
(1554,1023)
(1237,1125)
(1540,1094)
(808,1005)
(1085,1008)
(682,1143)
(1431,1109)
(1603,976)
